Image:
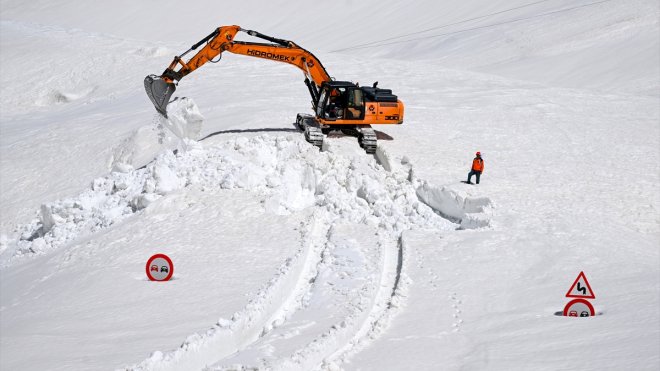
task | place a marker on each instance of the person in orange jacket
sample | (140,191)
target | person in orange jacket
(477,168)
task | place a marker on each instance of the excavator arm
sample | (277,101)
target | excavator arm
(160,88)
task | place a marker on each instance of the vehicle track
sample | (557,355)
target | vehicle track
(352,291)
(278,298)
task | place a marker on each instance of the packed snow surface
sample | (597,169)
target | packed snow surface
(288,257)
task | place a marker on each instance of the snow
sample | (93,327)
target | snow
(291,258)
(183,119)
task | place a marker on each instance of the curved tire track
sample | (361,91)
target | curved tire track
(281,296)
(351,294)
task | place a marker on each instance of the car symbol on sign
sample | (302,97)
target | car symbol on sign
(154,268)
(164,269)
(584,313)
(572,313)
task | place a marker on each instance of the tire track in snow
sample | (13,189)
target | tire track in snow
(353,289)
(279,297)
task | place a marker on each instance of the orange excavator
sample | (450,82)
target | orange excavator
(337,105)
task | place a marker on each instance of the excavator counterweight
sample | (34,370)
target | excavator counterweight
(337,105)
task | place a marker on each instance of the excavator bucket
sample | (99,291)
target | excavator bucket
(159,91)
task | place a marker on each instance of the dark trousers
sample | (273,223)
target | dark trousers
(474,172)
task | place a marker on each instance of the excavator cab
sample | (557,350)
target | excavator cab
(339,101)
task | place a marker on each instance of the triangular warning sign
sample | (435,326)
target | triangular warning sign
(581,288)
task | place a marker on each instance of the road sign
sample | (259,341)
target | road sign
(160,268)
(579,308)
(581,288)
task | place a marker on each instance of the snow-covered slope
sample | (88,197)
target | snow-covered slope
(603,44)
(290,258)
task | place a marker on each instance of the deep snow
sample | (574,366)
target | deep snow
(291,258)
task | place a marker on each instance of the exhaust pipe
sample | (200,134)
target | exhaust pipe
(159,91)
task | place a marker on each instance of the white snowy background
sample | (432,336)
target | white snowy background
(288,258)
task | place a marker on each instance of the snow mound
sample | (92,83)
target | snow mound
(468,210)
(471,212)
(140,147)
(184,119)
(285,171)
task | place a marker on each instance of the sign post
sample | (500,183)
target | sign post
(160,268)
(580,291)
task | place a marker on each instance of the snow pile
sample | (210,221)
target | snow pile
(183,119)
(289,173)
(141,146)
(471,212)
(108,200)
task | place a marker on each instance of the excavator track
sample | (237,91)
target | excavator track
(314,132)
(311,128)
(367,138)
(365,135)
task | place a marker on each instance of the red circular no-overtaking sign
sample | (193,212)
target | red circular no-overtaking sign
(579,308)
(160,268)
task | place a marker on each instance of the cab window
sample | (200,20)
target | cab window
(321,104)
(355,104)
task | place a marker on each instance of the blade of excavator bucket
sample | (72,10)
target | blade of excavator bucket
(159,91)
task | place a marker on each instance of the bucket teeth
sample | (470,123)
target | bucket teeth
(159,92)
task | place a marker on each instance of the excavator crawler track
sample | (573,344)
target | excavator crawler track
(315,132)
(367,138)
(311,128)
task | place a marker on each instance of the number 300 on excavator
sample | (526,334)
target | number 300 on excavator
(337,105)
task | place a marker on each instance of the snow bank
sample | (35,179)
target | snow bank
(468,210)
(183,119)
(141,146)
(289,173)
(471,212)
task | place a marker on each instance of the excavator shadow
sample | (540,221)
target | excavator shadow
(262,130)
(333,134)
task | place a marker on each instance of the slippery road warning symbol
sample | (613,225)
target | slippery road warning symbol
(160,268)
(581,288)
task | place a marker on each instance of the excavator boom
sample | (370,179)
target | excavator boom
(160,88)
